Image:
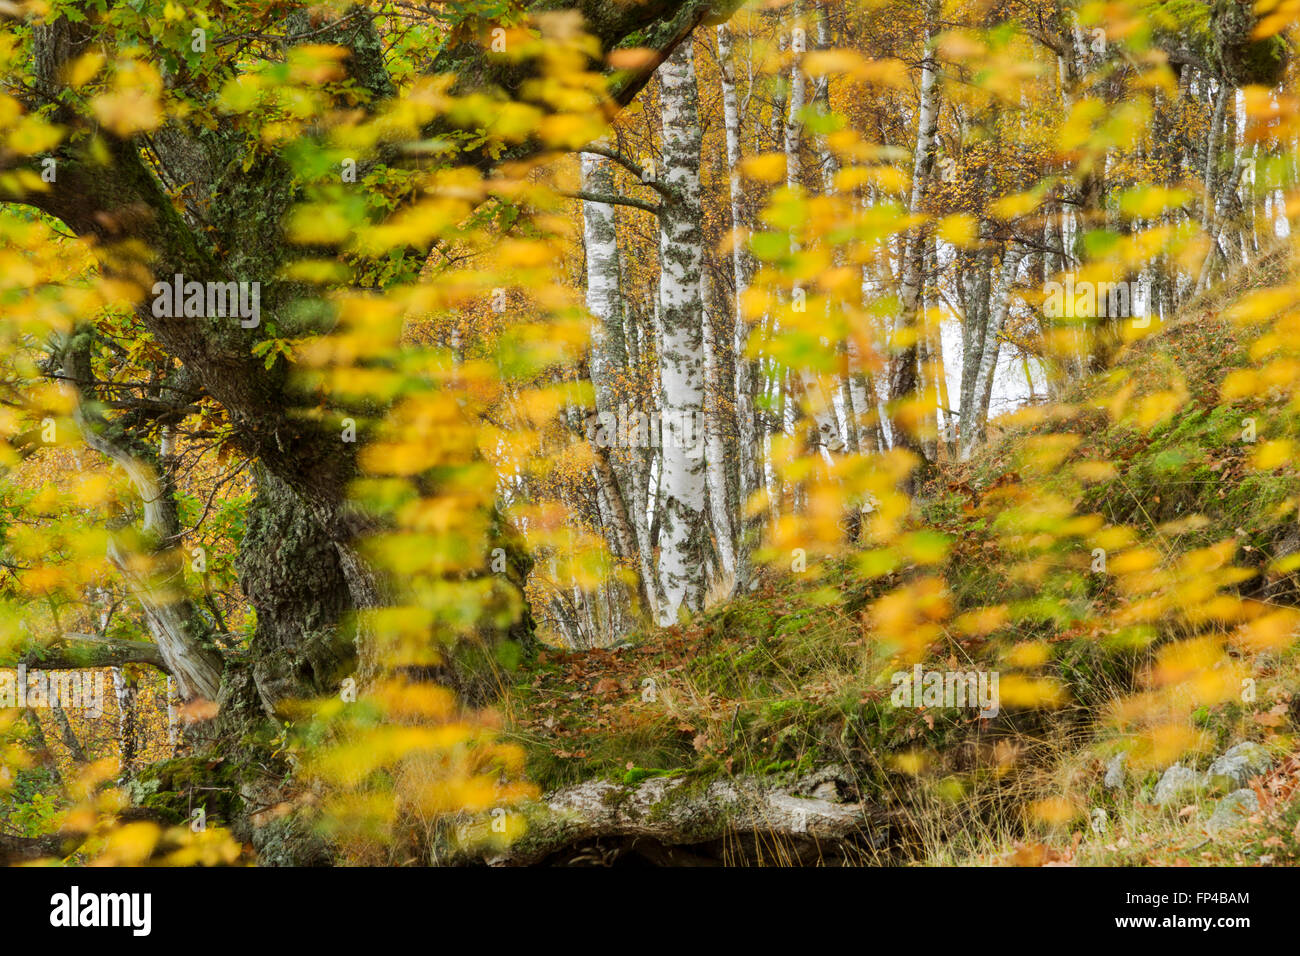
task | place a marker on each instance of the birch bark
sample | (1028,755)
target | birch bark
(720,510)
(749,446)
(608,359)
(904,380)
(821,403)
(681,353)
(999,309)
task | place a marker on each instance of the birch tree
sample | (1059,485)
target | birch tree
(981,391)
(681,355)
(720,504)
(905,376)
(821,404)
(608,360)
(749,445)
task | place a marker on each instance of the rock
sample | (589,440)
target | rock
(1233,810)
(1115,772)
(1177,783)
(1238,765)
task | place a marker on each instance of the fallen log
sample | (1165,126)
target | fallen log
(676,821)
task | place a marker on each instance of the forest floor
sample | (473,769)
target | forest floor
(788,679)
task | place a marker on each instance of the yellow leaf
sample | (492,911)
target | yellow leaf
(958,229)
(767,168)
(83,69)
(1015,206)
(1274,454)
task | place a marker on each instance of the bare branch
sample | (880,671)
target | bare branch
(610,153)
(614,200)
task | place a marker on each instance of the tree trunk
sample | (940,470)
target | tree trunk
(720,505)
(747,377)
(180,631)
(820,401)
(608,360)
(127,730)
(999,308)
(905,378)
(681,354)
(664,822)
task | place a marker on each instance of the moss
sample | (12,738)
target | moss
(655,744)
(636,774)
(175,788)
(1244,58)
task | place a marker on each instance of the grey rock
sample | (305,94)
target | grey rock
(1177,783)
(1238,765)
(1233,810)
(1116,772)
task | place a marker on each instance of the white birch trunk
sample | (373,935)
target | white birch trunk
(905,378)
(608,357)
(127,733)
(820,400)
(173,715)
(747,438)
(715,447)
(681,351)
(999,308)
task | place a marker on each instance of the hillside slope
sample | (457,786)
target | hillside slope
(765,730)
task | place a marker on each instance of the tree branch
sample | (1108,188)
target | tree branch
(16,849)
(182,637)
(614,200)
(78,651)
(609,153)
